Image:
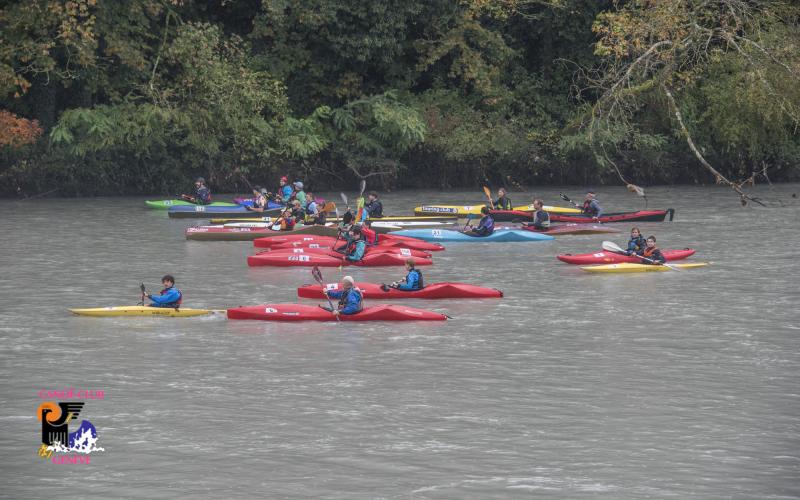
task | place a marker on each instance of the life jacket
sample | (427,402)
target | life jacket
(203,195)
(346,295)
(420,284)
(175,304)
(649,251)
(260,202)
(541,218)
(587,208)
(503,204)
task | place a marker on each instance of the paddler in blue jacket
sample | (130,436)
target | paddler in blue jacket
(412,281)
(503,203)
(485,226)
(169,296)
(284,191)
(356,246)
(637,243)
(591,206)
(652,253)
(350,299)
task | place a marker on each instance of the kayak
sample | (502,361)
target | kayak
(500,235)
(639,216)
(463,210)
(638,268)
(396,218)
(166,204)
(405,252)
(226,233)
(303,240)
(205,211)
(299,312)
(287,259)
(562,229)
(432,291)
(141,311)
(604,257)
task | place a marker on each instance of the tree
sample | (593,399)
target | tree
(655,51)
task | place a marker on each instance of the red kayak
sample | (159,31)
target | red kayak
(283,259)
(298,312)
(557,229)
(603,257)
(432,291)
(385,240)
(404,252)
(640,216)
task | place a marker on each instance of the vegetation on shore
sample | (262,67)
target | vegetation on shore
(129,96)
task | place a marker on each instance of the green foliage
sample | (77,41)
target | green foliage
(141,95)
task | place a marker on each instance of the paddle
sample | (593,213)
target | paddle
(144,293)
(612,247)
(566,198)
(488,194)
(317,274)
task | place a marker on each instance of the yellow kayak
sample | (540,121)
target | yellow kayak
(639,268)
(476,209)
(102,312)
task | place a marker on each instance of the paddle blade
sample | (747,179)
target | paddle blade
(610,246)
(317,274)
(565,197)
(141,287)
(487,192)
(344,199)
(362,186)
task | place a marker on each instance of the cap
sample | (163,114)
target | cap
(200,179)
(285,179)
(298,185)
(349,279)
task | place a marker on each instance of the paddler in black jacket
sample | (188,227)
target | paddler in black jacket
(503,203)
(202,194)
(374,207)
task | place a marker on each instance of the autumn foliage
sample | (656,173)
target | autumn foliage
(16,132)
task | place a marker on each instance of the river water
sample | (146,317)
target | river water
(659,385)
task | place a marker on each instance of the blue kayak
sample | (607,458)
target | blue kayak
(500,235)
(209,212)
(247,202)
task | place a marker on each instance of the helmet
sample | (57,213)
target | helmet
(298,185)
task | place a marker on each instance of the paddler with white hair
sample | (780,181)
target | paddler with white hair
(350,299)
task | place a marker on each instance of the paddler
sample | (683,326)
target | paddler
(356,246)
(591,206)
(637,243)
(485,226)
(202,194)
(652,253)
(259,200)
(541,219)
(285,190)
(298,193)
(503,203)
(350,299)
(285,222)
(169,296)
(374,207)
(313,213)
(298,213)
(412,281)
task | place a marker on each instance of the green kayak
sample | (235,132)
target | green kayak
(165,204)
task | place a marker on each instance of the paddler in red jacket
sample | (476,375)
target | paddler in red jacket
(652,253)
